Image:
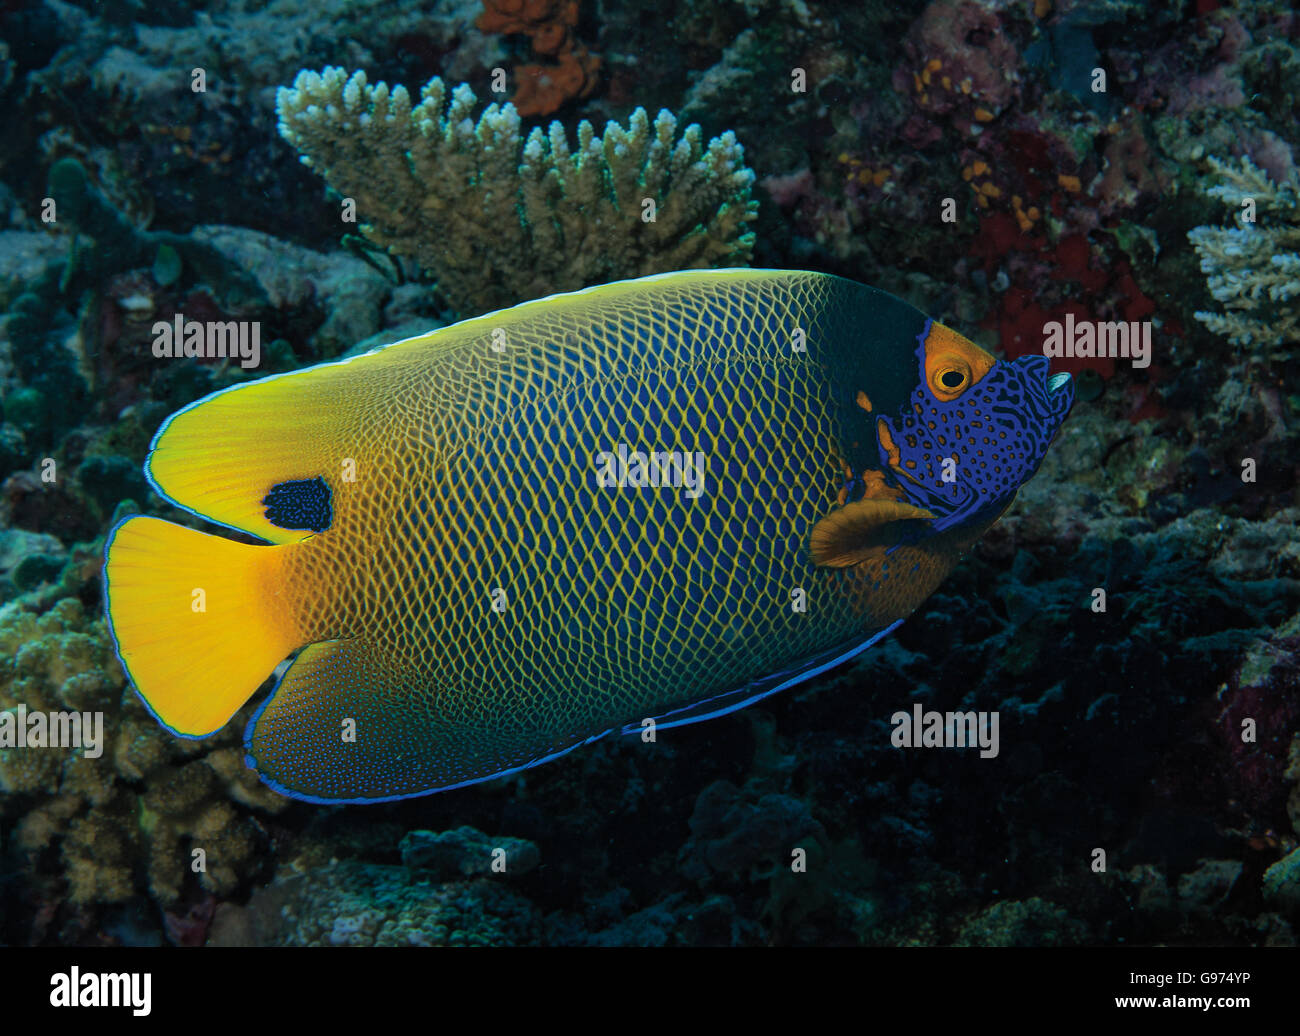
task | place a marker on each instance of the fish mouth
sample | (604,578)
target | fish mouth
(1050,396)
(1060,395)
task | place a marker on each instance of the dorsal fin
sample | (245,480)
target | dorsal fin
(862,529)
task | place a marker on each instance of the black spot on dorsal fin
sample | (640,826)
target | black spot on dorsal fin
(305,503)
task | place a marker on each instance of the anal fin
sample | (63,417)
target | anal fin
(344,725)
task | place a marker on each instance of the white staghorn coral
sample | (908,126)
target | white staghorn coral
(497,219)
(1254,267)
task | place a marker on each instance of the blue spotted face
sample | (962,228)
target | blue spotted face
(974,429)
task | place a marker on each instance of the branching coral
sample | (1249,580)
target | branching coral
(497,219)
(1253,268)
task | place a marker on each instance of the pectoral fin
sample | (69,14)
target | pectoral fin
(860,530)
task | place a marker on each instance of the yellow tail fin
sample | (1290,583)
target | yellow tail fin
(198,620)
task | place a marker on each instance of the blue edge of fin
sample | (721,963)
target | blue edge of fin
(798,676)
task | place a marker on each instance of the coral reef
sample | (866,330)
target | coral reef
(1122,728)
(66,314)
(966,68)
(81,388)
(1031,922)
(144,802)
(551,27)
(178,152)
(1253,269)
(497,219)
(467,851)
(1282,884)
(731,835)
(356,904)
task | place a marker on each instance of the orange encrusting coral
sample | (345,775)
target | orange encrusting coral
(549,25)
(863,174)
(986,191)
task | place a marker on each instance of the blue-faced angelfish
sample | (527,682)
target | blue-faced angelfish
(660,499)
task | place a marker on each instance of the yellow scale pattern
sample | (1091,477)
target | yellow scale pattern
(475,471)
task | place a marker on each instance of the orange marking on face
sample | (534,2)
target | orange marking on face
(864,401)
(887,443)
(947,352)
(877,488)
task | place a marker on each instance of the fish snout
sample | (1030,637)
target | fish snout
(1060,394)
(1055,392)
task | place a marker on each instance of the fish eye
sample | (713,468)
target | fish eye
(950,378)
